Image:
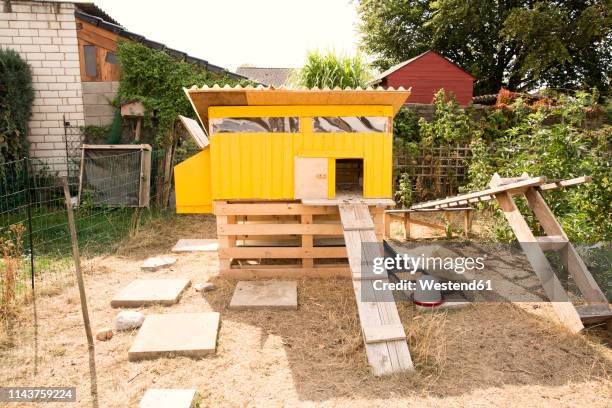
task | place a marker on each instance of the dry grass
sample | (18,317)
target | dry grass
(485,355)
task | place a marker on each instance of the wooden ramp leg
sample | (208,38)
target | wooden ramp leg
(565,310)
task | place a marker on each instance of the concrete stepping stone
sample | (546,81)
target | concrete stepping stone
(142,292)
(167,398)
(176,334)
(455,301)
(196,245)
(156,262)
(265,295)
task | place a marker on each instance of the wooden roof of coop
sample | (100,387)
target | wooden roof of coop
(205,97)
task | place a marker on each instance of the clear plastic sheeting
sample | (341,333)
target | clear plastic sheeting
(350,124)
(255,125)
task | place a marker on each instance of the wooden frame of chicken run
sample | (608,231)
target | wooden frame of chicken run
(596,308)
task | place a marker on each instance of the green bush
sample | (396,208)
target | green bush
(450,123)
(330,70)
(405,128)
(404,193)
(16,96)
(557,149)
(157,80)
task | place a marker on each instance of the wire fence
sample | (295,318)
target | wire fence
(434,171)
(34,238)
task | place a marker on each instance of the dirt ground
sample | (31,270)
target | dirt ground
(484,355)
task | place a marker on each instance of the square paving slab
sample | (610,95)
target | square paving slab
(142,292)
(156,262)
(167,398)
(196,245)
(176,334)
(265,295)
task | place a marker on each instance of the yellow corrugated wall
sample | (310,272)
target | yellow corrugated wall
(193,184)
(260,165)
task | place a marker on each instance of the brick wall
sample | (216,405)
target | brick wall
(96,101)
(44,34)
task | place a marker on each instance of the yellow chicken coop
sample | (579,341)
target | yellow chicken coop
(298,180)
(276,163)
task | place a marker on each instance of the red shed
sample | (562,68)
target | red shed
(426,74)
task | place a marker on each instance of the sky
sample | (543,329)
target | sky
(229,33)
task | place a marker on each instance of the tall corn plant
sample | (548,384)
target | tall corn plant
(330,70)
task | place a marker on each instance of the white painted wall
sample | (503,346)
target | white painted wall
(44,34)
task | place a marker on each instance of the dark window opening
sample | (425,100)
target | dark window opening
(111,58)
(349,177)
(91,61)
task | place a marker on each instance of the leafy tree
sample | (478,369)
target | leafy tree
(516,44)
(330,70)
(16,96)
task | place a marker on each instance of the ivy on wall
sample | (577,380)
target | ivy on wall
(16,96)
(157,79)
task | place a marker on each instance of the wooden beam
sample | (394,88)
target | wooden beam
(286,272)
(270,208)
(275,229)
(407,221)
(308,242)
(357,225)
(552,242)
(594,314)
(566,183)
(282,252)
(383,333)
(417,210)
(488,193)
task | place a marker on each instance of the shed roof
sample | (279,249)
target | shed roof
(396,67)
(202,98)
(96,16)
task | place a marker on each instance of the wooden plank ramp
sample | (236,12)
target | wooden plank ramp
(383,333)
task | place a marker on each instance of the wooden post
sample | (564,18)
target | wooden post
(138,129)
(466,223)
(387,233)
(407,225)
(82,295)
(307,242)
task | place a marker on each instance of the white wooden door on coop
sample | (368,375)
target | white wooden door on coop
(311,176)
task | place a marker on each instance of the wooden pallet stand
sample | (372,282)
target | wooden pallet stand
(596,308)
(308,239)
